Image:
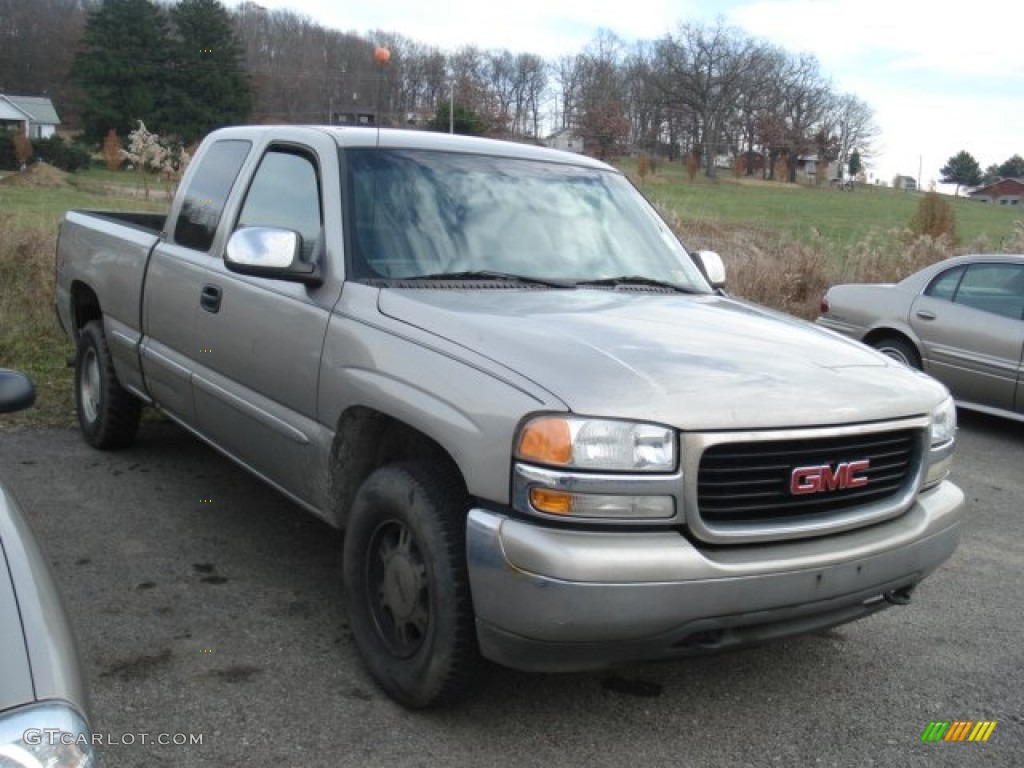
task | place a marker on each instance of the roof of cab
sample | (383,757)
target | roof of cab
(394,138)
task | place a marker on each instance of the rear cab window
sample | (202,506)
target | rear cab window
(207,193)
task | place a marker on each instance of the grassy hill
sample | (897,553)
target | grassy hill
(812,214)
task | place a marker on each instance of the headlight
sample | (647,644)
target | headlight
(944,423)
(48,735)
(597,444)
(943,435)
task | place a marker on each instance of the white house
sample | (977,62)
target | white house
(34,116)
(566,140)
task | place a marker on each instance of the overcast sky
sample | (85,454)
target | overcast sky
(941,77)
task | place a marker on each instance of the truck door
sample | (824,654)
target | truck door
(174,279)
(261,338)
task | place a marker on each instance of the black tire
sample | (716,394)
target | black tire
(107,413)
(406,585)
(899,350)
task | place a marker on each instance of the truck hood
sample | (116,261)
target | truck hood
(692,362)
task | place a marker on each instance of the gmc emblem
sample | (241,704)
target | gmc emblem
(821,478)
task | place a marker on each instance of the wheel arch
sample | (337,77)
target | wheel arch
(887,332)
(85,306)
(367,439)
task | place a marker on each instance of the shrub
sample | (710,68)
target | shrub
(643,166)
(22,149)
(112,154)
(934,217)
(8,158)
(68,156)
(692,165)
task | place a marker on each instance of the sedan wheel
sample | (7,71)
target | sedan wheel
(899,350)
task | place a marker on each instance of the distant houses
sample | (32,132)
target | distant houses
(906,183)
(566,140)
(33,116)
(1000,192)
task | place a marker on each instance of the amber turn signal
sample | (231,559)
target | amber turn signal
(546,440)
(552,502)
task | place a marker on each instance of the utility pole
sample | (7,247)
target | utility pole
(451,108)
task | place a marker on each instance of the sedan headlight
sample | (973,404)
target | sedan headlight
(597,444)
(49,735)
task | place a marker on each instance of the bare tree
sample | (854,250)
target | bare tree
(531,84)
(853,121)
(568,72)
(703,68)
(600,114)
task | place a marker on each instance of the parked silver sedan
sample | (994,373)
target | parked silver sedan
(43,700)
(960,320)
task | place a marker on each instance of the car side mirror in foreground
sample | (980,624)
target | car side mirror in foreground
(710,263)
(16,391)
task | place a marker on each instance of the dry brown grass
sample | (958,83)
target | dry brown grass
(30,338)
(784,273)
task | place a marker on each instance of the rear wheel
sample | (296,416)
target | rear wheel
(406,585)
(107,413)
(898,349)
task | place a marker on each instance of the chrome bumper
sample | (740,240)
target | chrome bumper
(553,599)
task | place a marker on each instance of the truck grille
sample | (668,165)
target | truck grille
(748,483)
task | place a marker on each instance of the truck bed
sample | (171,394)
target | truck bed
(106,253)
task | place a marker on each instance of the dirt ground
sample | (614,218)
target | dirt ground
(37,175)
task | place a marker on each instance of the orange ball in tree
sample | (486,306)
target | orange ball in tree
(381,55)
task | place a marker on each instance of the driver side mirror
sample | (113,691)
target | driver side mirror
(270,252)
(16,391)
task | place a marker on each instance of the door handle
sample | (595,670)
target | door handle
(210,298)
(924,314)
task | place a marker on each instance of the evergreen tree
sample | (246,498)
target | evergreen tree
(961,169)
(990,174)
(1012,168)
(854,165)
(123,68)
(461,119)
(210,84)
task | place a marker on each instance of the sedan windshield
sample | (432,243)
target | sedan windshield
(425,215)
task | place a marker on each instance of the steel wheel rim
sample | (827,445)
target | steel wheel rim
(90,385)
(397,588)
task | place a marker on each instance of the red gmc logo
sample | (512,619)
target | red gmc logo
(823,478)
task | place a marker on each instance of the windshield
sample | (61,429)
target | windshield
(418,214)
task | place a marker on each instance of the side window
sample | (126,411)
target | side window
(207,192)
(995,288)
(944,286)
(285,192)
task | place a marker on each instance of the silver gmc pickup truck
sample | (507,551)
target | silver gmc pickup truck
(551,438)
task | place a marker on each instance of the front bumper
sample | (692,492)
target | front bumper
(558,599)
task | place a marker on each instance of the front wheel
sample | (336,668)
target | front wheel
(406,585)
(107,413)
(899,350)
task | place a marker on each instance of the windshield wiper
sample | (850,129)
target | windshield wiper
(637,280)
(487,274)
